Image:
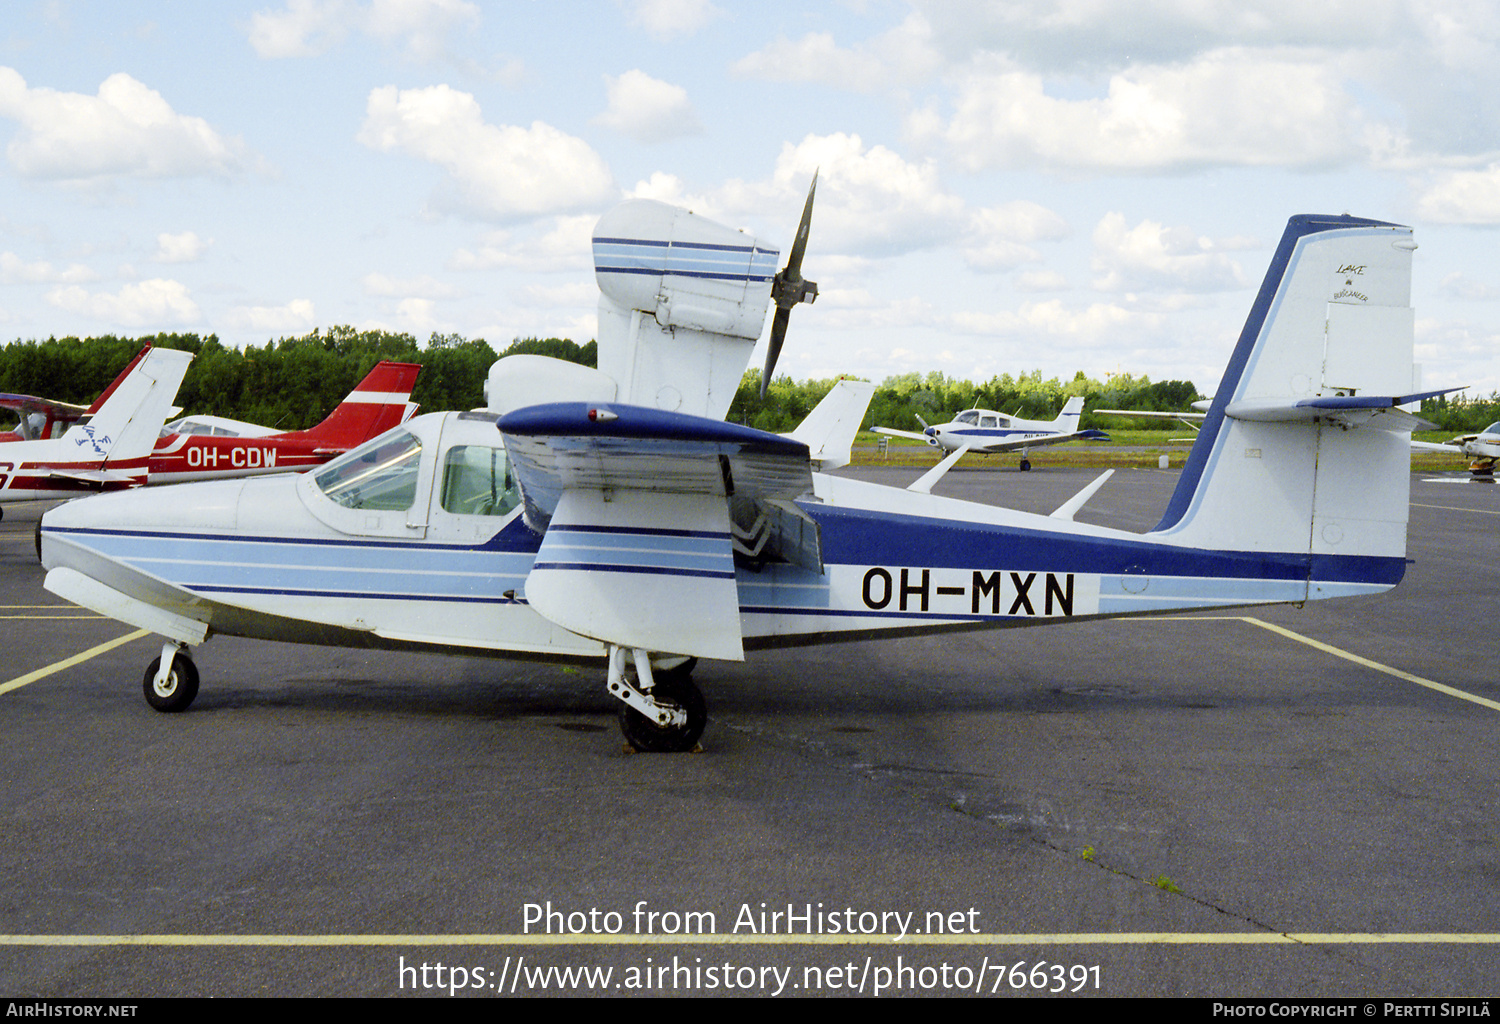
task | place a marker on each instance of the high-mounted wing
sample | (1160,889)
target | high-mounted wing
(641,511)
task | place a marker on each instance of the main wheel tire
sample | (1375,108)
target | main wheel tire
(675,687)
(179,689)
(1025,465)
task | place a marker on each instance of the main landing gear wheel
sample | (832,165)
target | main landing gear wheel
(674,687)
(177,691)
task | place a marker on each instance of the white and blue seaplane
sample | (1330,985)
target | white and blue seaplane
(612,516)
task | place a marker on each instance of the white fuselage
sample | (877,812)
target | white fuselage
(288,558)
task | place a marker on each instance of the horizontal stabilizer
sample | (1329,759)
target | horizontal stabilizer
(98,476)
(1381,411)
(893,432)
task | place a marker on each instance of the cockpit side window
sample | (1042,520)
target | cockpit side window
(989,421)
(380,475)
(477,481)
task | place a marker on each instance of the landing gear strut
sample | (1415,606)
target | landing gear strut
(171,680)
(661,711)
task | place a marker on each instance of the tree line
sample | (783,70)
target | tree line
(292,383)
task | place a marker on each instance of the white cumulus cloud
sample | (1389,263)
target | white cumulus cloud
(306,28)
(1231,107)
(997,237)
(152,303)
(126,129)
(564,246)
(669,19)
(870,200)
(422,287)
(296,317)
(1151,256)
(1463,197)
(186,247)
(14,270)
(647,109)
(498,172)
(900,56)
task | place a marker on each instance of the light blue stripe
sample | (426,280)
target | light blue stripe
(714,545)
(658,558)
(1212,588)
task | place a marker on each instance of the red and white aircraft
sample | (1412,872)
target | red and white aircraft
(214,448)
(111,451)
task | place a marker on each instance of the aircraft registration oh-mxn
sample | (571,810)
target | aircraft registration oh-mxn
(989,433)
(215,448)
(615,516)
(110,451)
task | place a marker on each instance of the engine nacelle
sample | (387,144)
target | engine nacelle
(682,302)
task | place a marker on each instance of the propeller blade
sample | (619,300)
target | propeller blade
(799,246)
(778,336)
(789,287)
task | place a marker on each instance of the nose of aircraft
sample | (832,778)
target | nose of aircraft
(209,506)
(932,435)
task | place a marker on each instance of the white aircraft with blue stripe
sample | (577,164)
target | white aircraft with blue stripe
(990,433)
(611,516)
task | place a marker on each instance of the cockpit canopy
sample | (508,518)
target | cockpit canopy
(386,474)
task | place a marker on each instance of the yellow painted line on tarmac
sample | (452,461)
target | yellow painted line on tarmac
(1339,653)
(722,939)
(1377,666)
(1451,508)
(77,659)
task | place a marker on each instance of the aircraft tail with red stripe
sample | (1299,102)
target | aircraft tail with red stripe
(379,402)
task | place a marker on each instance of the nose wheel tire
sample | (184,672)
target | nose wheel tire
(179,688)
(648,737)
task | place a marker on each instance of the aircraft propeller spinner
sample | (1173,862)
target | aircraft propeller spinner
(789,288)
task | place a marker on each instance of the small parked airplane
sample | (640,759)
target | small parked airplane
(611,515)
(986,432)
(112,450)
(214,448)
(1482,449)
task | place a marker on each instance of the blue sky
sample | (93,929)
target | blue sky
(1005,186)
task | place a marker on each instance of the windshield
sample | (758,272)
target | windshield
(1493,428)
(380,474)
